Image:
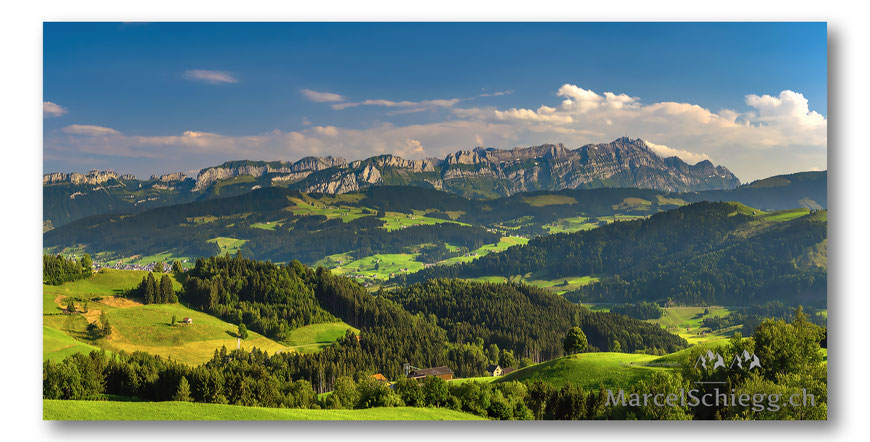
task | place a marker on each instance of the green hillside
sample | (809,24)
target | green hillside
(57,345)
(703,253)
(109,410)
(589,370)
(136,327)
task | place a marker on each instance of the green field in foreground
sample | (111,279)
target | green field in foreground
(106,410)
(589,370)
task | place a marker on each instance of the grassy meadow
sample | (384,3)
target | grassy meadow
(686,323)
(589,370)
(56,345)
(228,245)
(111,410)
(148,328)
(314,337)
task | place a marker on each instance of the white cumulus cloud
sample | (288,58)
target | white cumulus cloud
(50,109)
(665,151)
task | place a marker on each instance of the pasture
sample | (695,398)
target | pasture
(228,245)
(105,283)
(398,220)
(568,225)
(148,328)
(312,338)
(589,370)
(686,323)
(56,345)
(134,326)
(328,207)
(380,266)
(110,410)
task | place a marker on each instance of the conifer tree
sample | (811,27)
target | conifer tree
(151,290)
(183,393)
(167,294)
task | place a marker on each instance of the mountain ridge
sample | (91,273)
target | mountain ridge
(623,162)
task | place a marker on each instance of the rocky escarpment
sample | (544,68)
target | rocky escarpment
(170,177)
(299,169)
(93,177)
(492,172)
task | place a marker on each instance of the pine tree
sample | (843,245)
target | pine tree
(183,393)
(71,307)
(151,294)
(176,267)
(86,265)
(167,294)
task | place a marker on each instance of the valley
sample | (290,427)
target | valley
(334,288)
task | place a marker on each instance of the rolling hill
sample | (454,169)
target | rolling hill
(703,253)
(417,226)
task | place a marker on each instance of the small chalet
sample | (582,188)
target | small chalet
(494,370)
(187,320)
(379,377)
(441,372)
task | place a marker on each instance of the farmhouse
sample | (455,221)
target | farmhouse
(187,320)
(508,370)
(441,372)
(494,370)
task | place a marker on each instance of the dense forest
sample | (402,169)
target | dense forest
(455,323)
(703,253)
(527,320)
(268,298)
(641,310)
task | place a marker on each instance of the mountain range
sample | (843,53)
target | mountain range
(478,173)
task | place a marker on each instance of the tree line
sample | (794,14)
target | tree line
(527,320)
(152,292)
(641,310)
(788,352)
(57,270)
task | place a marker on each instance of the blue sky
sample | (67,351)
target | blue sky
(159,97)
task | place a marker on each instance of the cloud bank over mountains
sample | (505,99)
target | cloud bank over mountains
(772,134)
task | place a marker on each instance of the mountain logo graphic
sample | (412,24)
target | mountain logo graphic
(745,361)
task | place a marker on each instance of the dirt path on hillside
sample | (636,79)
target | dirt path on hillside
(118,302)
